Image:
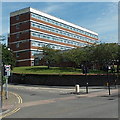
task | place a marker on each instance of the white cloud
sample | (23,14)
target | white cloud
(52,7)
(106,24)
(56,7)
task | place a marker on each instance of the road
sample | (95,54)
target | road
(59,102)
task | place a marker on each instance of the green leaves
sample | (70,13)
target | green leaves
(98,55)
(7,56)
(50,56)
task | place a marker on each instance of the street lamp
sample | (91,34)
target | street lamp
(8,48)
(7,70)
(108,81)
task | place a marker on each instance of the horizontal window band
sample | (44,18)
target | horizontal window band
(46,40)
(49,43)
(67,30)
(39,41)
(72,39)
(59,35)
(47,16)
(40,21)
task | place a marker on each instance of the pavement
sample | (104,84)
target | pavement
(62,89)
(10,105)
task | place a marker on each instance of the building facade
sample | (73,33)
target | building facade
(31,29)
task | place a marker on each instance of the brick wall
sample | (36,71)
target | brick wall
(24,55)
(22,17)
(68,80)
(21,27)
(22,36)
(24,63)
(22,45)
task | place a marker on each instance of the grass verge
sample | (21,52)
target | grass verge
(51,70)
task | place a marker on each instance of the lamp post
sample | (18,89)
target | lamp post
(2,72)
(7,71)
(108,84)
(113,72)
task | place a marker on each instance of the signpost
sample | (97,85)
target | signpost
(6,74)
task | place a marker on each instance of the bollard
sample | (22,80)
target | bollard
(77,90)
(87,87)
(107,84)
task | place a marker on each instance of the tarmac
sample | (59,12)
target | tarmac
(13,99)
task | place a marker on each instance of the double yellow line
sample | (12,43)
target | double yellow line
(19,98)
(16,109)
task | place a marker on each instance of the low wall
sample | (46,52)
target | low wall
(61,80)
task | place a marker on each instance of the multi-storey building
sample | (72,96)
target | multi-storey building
(31,29)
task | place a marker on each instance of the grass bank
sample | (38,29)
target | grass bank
(52,70)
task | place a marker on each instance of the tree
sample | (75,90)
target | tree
(8,57)
(103,54)
(50,56)
(96,55)
(75,56)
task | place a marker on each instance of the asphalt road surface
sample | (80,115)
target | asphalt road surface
(60,102)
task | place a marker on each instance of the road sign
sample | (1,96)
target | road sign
(7,70)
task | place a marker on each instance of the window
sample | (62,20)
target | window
(17,17)
(32,15)
(64,41)
(33,43)
(17,26)
(17,45)
(49,29)
(17,36)
(58,24)
(42,18)
(17,54)
(39,17)
(96,36)
(44,36)
(32,24)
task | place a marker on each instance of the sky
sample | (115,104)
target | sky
(100,17)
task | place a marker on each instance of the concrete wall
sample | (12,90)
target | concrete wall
(69,80)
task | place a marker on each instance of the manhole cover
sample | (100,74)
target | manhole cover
(32,94)
(103,96)
(110,99)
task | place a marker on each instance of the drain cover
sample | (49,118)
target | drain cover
(33,94)
(110,99)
